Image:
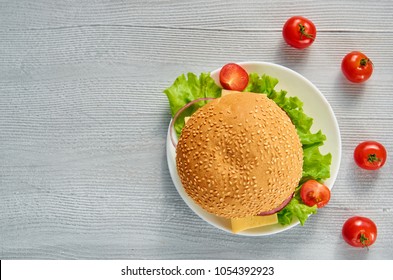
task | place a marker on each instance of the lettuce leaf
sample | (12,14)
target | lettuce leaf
(264,84)
(295,208)
(185,90)
(315,165)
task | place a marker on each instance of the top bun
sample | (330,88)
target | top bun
(239,155)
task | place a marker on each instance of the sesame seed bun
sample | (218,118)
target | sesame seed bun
(239,155)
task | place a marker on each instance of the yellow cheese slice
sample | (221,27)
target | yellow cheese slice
(186,119)
(225,92)
(240,224)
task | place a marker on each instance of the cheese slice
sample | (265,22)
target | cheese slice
(225,92)
(186,119)
(240,224)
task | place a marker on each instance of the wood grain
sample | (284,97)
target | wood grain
(83,123)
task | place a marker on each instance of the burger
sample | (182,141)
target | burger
(247,154)
(240,156)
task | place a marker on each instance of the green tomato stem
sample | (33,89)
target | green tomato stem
(364,61)
(373,158)
(302,30)
(364,240)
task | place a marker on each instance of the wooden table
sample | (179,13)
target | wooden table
(83,124)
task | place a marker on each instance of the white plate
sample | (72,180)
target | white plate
(315,106)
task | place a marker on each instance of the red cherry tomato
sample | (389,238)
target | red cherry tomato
(356,67)
(359,231)
(370,155)
(233,77)
(314,193)
(299,32)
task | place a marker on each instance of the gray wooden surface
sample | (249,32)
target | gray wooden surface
(83,124)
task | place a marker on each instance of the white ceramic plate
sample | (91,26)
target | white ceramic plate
(315,106)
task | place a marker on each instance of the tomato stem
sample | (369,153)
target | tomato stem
(373,158)
(364,240)
(302,30)
(364,61)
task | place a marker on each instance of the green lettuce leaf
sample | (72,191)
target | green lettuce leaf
(261,84)
(295,208)
(308,138)
(315,165)
(185,90)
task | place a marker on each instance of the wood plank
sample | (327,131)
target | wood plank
(201,14)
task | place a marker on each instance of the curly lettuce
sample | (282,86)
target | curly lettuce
(296,208)
(184,90)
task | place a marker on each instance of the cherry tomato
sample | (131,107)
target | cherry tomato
(356,67)
(299,32)
(359,231)
(370,155)
(233,77)
(314,193)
